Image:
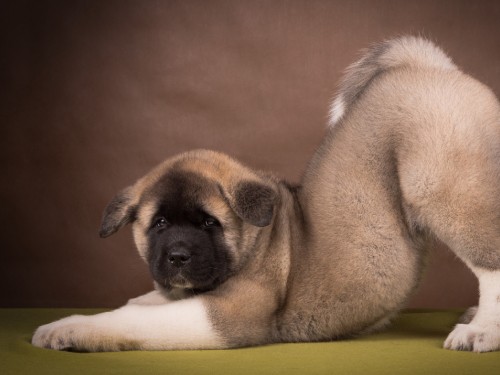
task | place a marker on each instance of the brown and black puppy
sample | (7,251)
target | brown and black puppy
(241,258)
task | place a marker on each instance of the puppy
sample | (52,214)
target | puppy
(241,258)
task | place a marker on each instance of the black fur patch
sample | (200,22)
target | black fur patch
(254,202)
(186,230)
(118,213)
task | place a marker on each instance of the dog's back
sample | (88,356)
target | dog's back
(413,153)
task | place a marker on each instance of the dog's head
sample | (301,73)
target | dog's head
(196,218)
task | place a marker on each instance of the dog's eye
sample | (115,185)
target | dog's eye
(210,222)
(160,223)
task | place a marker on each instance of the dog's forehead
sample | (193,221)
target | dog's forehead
(180,187)
(183,190)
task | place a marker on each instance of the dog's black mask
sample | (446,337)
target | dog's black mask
(186,246)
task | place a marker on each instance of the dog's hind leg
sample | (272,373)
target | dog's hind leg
(450,182)
(468,315)
(470,226)
(482,334)
(465,215)
(463,212)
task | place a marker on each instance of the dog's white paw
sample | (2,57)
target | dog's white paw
(472,337)
(80,333)
(60,335)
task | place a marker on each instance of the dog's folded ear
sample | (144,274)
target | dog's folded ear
(254,202)
(119,212)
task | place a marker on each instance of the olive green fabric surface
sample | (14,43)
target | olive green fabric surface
(411,346)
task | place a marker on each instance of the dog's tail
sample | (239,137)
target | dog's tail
(393,53)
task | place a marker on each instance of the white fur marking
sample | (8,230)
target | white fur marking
(152,298)
(178,325)
(482,334)
(337,110)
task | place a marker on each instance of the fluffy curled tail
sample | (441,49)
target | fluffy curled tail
(404,51)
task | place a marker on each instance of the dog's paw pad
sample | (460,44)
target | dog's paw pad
(471,337)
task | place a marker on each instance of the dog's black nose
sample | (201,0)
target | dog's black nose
(179,257)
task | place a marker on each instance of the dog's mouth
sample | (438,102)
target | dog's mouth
(181,281)
(193,276)
(177,281)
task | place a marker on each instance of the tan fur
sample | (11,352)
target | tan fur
(414,155)
(216,168)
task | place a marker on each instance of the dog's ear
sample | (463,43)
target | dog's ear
(254,202)
(119,212)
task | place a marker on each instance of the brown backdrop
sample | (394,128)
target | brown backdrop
(94,93)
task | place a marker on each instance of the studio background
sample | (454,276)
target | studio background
(95,93)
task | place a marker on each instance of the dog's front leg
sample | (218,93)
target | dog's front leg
(152,298)
(178,325)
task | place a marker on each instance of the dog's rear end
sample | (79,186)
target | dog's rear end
(413,154)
